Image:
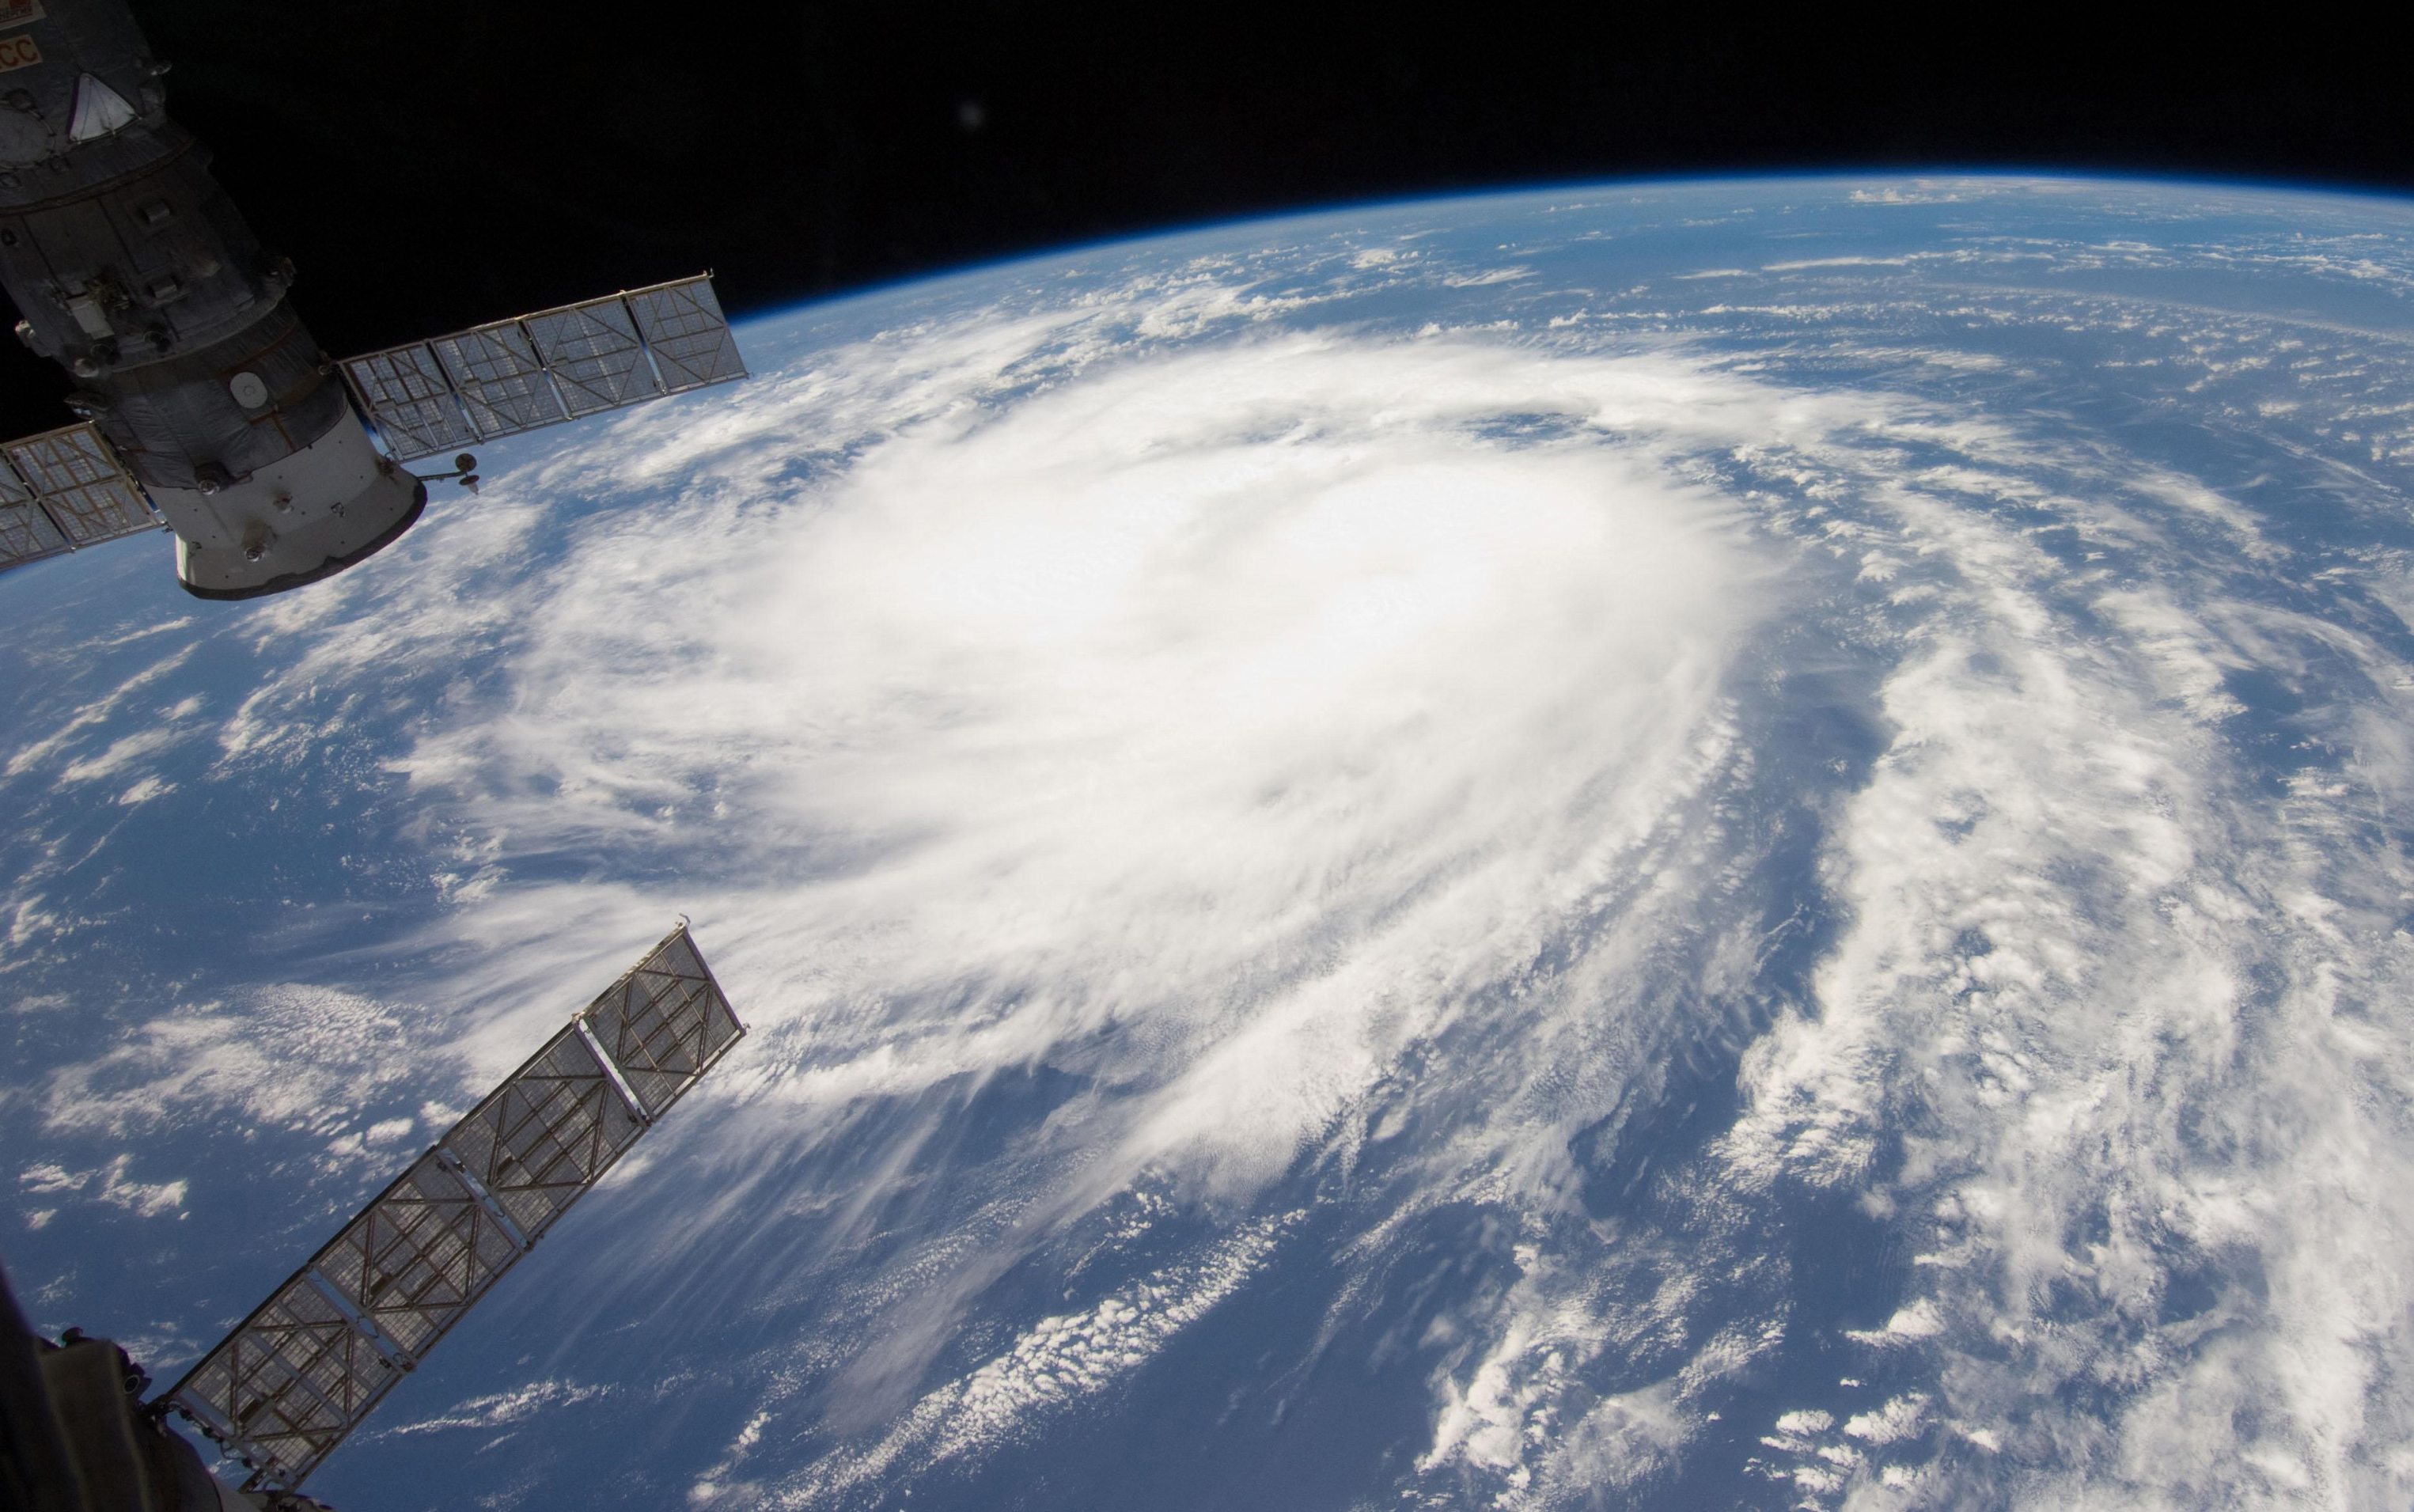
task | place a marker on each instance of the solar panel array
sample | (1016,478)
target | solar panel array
(63,490)
(542,368)
(284,1389)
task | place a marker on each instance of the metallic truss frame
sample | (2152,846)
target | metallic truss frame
(65,490)
(546,367)
(286,1386)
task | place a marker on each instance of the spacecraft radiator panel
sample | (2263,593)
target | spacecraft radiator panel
(286,1386)
(541,368)
(63,490)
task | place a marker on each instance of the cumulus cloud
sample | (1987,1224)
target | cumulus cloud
(111,1184)
(291,1055)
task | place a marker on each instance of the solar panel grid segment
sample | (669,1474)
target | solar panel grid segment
(27,534)
(62,489)
(544,1137)
(68,457)
(594,355)
(418,1256)
(404,391)
(292,1383)
(293,1379)
(501,381)
(98,512)
(79,485)
(689,337)
(665,1024)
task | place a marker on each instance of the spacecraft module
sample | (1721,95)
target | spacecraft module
(207,408)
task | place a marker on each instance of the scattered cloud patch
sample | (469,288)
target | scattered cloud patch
(111,1184)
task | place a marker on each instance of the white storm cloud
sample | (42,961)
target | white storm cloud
(1219,727)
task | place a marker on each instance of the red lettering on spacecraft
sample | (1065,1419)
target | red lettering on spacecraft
(18,53)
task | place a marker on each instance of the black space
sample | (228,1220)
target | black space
(434,164)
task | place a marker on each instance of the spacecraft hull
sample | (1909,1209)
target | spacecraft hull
(306,516)
(134,270)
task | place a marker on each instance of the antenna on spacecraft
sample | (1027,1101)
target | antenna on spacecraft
(282,1390)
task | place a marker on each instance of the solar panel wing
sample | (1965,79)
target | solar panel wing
(286,1386)
(77,482)
(594,355)
(689,337)
(540,368)
(501,381)
(405,392)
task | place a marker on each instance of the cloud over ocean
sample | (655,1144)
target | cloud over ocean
(1728,841)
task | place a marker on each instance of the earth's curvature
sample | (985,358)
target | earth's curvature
(1735,844)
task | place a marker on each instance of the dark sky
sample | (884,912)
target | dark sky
(436,163)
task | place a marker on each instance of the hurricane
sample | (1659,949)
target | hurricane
(1651,844)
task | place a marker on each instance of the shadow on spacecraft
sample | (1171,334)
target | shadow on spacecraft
(207,408)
